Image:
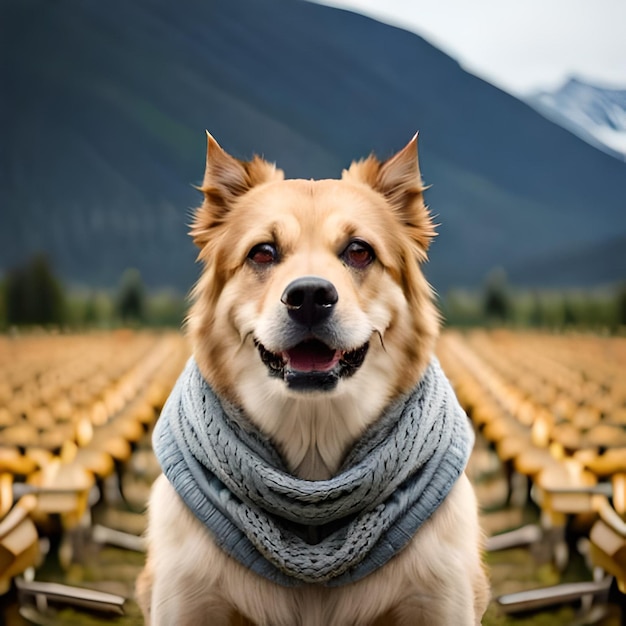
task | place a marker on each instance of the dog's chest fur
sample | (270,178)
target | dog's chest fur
(313,434)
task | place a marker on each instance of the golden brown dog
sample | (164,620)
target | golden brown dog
(356,244)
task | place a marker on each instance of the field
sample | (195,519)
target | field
(76,413)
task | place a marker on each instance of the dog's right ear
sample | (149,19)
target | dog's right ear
(399,180)
(225,179)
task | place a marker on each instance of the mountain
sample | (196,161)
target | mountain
(576,265)
(596,114)
(105,106)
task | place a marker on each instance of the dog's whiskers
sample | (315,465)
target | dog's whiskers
(244,338)
(380,337)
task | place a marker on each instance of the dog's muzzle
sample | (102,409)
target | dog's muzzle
(311,364)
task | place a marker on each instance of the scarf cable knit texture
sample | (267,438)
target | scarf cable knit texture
(294,531)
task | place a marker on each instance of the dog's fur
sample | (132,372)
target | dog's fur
(239,313)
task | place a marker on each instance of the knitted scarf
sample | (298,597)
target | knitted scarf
(295,531)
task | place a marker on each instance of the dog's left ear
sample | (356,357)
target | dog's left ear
(400,181)
(225,179)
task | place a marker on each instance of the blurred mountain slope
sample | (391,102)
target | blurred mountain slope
(105,106)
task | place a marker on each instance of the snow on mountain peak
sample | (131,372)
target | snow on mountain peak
(596,114)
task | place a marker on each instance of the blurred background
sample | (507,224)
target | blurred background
(521,110)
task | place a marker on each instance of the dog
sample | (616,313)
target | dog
(312,315)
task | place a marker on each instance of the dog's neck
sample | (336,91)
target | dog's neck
(314,439)
(314,434)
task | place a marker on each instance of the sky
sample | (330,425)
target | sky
(521,46)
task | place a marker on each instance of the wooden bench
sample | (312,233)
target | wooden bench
(608,544)
(19,541)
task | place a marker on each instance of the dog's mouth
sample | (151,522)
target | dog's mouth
(312,365)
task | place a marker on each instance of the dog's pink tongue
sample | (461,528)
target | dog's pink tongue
(312,356)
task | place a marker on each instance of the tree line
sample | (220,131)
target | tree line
(32,295)
(497,303)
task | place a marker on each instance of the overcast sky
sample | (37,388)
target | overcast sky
(520,45)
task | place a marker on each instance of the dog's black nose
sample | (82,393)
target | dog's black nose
(309,300)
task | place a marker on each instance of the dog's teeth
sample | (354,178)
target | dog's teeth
(273,361)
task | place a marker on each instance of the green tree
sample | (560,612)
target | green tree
(496,298)
(33,294)
(570,311)
(131,300)
(166,308)
(3,305)
(620,299)
(461,308)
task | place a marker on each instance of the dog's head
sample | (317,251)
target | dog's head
(312,287)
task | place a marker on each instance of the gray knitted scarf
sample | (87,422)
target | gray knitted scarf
(295,531)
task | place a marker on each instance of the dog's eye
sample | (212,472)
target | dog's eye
(263,254)
(358,254)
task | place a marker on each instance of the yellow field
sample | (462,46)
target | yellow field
(549,409)
(72,410)
(561,398)
(553,408)
(78,398)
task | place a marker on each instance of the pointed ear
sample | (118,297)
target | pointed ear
(223,174)
(400,175)
(399,180)
(225,179)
